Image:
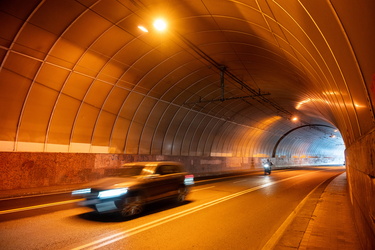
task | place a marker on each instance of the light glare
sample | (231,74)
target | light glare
(189,179)
(81,191)
(142,28)
(112,193)
(160,25)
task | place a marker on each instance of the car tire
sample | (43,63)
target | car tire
(182,193)
(132,206)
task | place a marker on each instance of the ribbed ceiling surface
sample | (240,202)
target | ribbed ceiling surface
(224,79)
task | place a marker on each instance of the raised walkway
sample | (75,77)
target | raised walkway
(326,221)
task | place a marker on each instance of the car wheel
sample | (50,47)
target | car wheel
(182,193)
(133,205)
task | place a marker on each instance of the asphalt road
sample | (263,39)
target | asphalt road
(245,212)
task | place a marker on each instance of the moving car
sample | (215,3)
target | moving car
(135,184)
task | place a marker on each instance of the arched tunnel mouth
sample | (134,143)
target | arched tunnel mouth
(328,144)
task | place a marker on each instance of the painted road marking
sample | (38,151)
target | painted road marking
(195,190)
(39,206)
(127,233)
(21,209)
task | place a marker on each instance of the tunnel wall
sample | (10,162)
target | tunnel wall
(29,169)
(360,158)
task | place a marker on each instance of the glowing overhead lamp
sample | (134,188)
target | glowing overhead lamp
(294,118)
(143,28)
(160,24)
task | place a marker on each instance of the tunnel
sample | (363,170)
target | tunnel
(220,86)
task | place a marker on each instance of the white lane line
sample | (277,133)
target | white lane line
(38,206)
(199,189)
(71,201)
(127,233)
(21,209)
(271,243)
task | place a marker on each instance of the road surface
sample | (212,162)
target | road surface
(243,212)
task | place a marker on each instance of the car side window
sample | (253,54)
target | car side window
(158,170)
(167,169)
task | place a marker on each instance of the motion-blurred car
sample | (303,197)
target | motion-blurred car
(133,185)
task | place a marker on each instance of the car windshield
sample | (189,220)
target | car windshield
(127,171)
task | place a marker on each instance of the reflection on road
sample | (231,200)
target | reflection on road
(250,209)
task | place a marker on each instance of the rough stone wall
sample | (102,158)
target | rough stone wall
(360,161)
(28,170)
(25,170)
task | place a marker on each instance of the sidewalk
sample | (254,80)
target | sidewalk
(325,222)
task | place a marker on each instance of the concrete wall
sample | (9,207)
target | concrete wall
(360,158)
(29,170)
(22,170)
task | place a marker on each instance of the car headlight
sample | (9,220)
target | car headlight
(81,191)
(112,193)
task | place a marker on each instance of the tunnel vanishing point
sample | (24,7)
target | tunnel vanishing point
(220,86)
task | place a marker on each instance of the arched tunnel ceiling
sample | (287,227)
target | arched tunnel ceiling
(224,79)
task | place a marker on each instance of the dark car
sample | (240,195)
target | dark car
(133,185)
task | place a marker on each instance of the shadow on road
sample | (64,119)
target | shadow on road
(148,209)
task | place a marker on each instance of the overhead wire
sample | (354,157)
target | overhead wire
(256,93)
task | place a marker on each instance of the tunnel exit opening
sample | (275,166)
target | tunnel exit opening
(326,146)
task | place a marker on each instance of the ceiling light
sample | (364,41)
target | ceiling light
(160,25)
(142,28)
